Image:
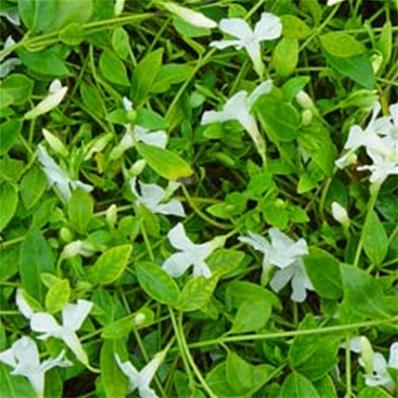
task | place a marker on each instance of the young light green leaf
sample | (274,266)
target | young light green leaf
(9,132)
(294,27)
(57,296)
(110,265)
(33,185)
(297,386)
(341,44)
(285,56)
(251,315)
(166,163)
(19,86)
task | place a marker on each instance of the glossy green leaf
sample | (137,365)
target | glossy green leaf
(166,163)
(157,283)
(297,386)
(251,315)
(375,242)
(57,296)
(80,210)
(19,86)
(294,27)
(9,132)
(285,56)
(33,185)
(35,257)
(110,265)
(324,272)
(37,15)
(341,44)
(8,203)
(113,69)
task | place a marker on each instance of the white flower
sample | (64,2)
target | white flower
(58,177)
(153,195)
(23,357)
(269,27)
(333,2)
(238,108)
(141,379)
(339,213)
(194,18)
(56,94)
(8,65)
(190,253)
(73,316)
(11,16)
(78,247)
(381,168)
(118,8)
(375,365)
(135,134)
(284,253)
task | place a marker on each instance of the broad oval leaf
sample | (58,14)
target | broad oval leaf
(8,203)
(166,163)
(375,242)
(157,283)
(341,44)
(33,185)
(57,296)
(113,69)
(110,265)
(298,386)
(80,210)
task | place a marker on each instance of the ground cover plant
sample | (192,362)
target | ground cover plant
(199,198)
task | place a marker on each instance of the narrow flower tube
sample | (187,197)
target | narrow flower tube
(194,18)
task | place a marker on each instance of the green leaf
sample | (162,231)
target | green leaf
(251,315)
(294,27)
(362,293)
(19,86)
(157,283)
(14,386)
(171,74)
(121,42)
(280,120)
(324,273)
(196,293)
(166,163)
(314,356)
(224,261)
(357,68)
(71,11)
(285,56)
(374,392)
(110,265)
(9,132)
(8,203)
(72,34)
(375,241)
(244,378)
(341,44)
(35,257)
(80,210)
(33,185)
(45,62)
(326,388)
(384,44)
(57,296)
(113,69)
(144,75)
(114,381)
(37,15)
(298,386)
(92,98)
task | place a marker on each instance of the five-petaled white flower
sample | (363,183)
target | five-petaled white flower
(135,134)
(269,27)
(152,196)
(380,139)
(58,177)
(238,108)
(23,357)
(73,316)
(286,254)
(190,254)
(140,380)
(376,366)
(56,94)
(194,18)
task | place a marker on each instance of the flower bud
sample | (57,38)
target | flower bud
(139,319)
(65,234)
(339,213)
(367,354)
(192,17)
(55,143)
(118,9)
(306,117)
(137,168)
(111,215)
(304,100)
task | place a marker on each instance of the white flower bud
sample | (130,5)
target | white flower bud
(118,9)
(75,248)
(339,213)
(367,354)
(55,143)
(137,168)
(111,215)
(139,319)
(192,17)
(304,100)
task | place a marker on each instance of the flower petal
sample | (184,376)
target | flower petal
(202,269)
(72,341)
(269,27)
(173,207)
(177,264)
(221,44)
(23,305)
(179,239)
(237,27)
(7,357)
(45,323)
(130,371)
(257,241)
(281,278)
(156,138)
(263,88)
(73,315)
(393,359)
